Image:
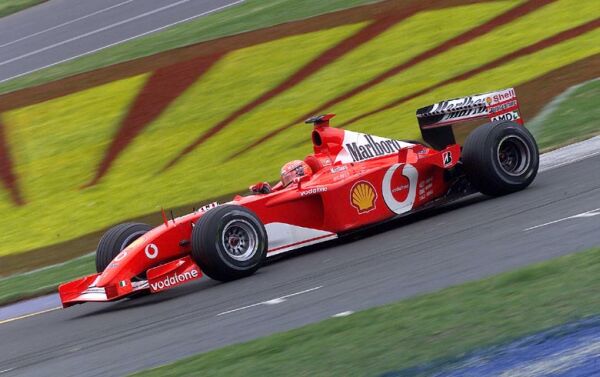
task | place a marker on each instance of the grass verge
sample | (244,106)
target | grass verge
(43,281)
(439,325)
(250,15)
(13,6)
(572,117)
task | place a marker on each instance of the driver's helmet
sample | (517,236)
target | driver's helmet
(294,169)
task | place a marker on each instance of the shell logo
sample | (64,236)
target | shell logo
(363,196)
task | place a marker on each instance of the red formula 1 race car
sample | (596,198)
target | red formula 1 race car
(350,181)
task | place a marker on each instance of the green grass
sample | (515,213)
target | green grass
(250,15)
(574,117)
(13,6)
(421,329)
(46,280)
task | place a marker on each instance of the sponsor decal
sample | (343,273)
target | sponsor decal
(338,169)
(208,206)
(174,280)
(466,113)
(339,177)
(113,265)
(121,255)
(151,251)
(459,103)
(460,115)
(502,107)
(513,115)
(399,187)
(425,188)
(367,147)
(459,109)
(502,96)
(312,191)
(447,157)
(363,196)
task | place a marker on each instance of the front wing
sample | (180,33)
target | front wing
(160,278)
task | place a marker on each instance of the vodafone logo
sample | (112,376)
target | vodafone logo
(172,281)
(399,187)
(314,190)
(151,251)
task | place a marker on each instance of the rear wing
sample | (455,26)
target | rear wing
(435,121)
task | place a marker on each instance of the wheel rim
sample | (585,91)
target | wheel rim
(514,155)
(240,240)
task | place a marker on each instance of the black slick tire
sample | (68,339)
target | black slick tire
(229,242)
(500,158)
(115,240)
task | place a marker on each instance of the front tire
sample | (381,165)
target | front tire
(500,158)
(229,242)
(115,240)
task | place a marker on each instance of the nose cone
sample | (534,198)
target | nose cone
(160,245)
(119,269)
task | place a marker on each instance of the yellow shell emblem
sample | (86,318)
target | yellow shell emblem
(362,196)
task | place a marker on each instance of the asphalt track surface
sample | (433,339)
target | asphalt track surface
(61,30)
(469,240)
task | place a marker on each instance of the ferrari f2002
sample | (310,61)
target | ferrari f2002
(350,181)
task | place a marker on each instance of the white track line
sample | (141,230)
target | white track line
(28,315)
(120,41)
(107,27)
(343,314)
(273,301)
(66,23)
(591,213)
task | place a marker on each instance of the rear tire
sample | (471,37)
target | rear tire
(229,242)
(115,240)
(500,158)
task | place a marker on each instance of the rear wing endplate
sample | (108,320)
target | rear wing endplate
(435,120)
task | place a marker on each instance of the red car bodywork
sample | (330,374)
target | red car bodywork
(358,180)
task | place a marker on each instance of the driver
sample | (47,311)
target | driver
(289,172)
(294,169)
